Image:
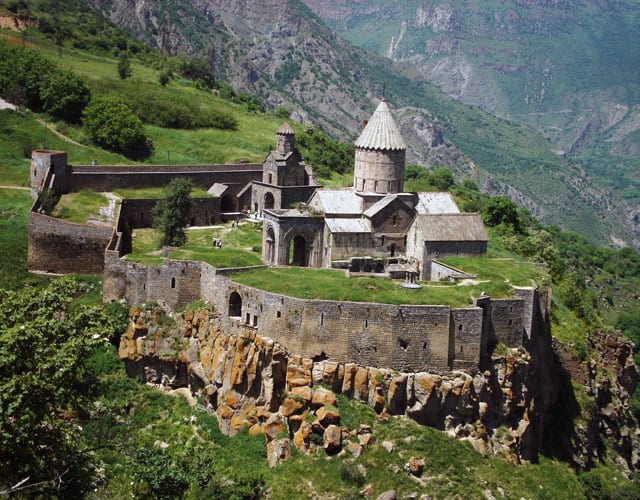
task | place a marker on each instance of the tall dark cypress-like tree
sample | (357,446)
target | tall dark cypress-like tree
(170,215)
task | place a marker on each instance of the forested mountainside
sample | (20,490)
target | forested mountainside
(569,69)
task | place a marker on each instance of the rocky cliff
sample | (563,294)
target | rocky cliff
(252,382)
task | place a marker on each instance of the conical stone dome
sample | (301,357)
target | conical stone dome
(380,155)
(381,131)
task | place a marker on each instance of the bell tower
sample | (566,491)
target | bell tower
(380,155)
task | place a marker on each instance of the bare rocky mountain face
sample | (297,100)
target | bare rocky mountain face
(282,52)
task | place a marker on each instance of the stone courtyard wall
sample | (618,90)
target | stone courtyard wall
(59,246)
(138,213)
(399,337)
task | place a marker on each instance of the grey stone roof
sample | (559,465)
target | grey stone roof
(337,201)
(381,132)
(217,189)
(379,205)
(451,227)
(436,203)
(285,129)
(340,225)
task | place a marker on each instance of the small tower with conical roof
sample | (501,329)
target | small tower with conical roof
(284,165)
(285,139)
(380,155)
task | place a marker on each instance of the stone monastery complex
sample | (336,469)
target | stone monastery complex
(373,227)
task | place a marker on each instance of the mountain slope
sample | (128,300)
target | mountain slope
(569,69)
(282,52)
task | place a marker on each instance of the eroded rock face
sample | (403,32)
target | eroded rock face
(252,382)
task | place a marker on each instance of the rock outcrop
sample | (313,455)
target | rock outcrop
(253,383)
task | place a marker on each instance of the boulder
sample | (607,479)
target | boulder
(278,451)
(273,427)
(415,466)
(302,437)
(387,495)
(354,448)
(328,415)
(332,439)
(322,397)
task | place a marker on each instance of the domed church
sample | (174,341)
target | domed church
(371,227)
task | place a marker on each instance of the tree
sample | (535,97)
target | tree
(442,179)
(170,215)
(111,124)
(124,65)
(64,95)
(501,210)
(46,386)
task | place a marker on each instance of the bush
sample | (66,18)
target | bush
(501,210)
(163,78)
(111,124)
(64,95)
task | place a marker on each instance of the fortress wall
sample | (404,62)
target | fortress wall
(173,284)
(507,321)
(467,333)
(399,337)
(106,180)
(403,337)
(152,169)
(123,280)
(138,213)
(44,165)
(59,246)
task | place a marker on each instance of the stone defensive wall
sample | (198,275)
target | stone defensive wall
(138,213)
(50,169)
(59,246)
(399,337)
(107,178)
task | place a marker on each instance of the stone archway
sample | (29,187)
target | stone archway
(269,201)
(298,251)
(235,305)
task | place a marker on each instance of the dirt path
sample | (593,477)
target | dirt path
(59,134)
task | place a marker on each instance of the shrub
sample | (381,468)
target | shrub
(124,65)
(111,124)
(163,78)
(64,95)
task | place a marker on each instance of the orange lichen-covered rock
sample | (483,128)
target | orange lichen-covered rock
(322,397)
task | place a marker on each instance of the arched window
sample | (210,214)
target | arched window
(269,201)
